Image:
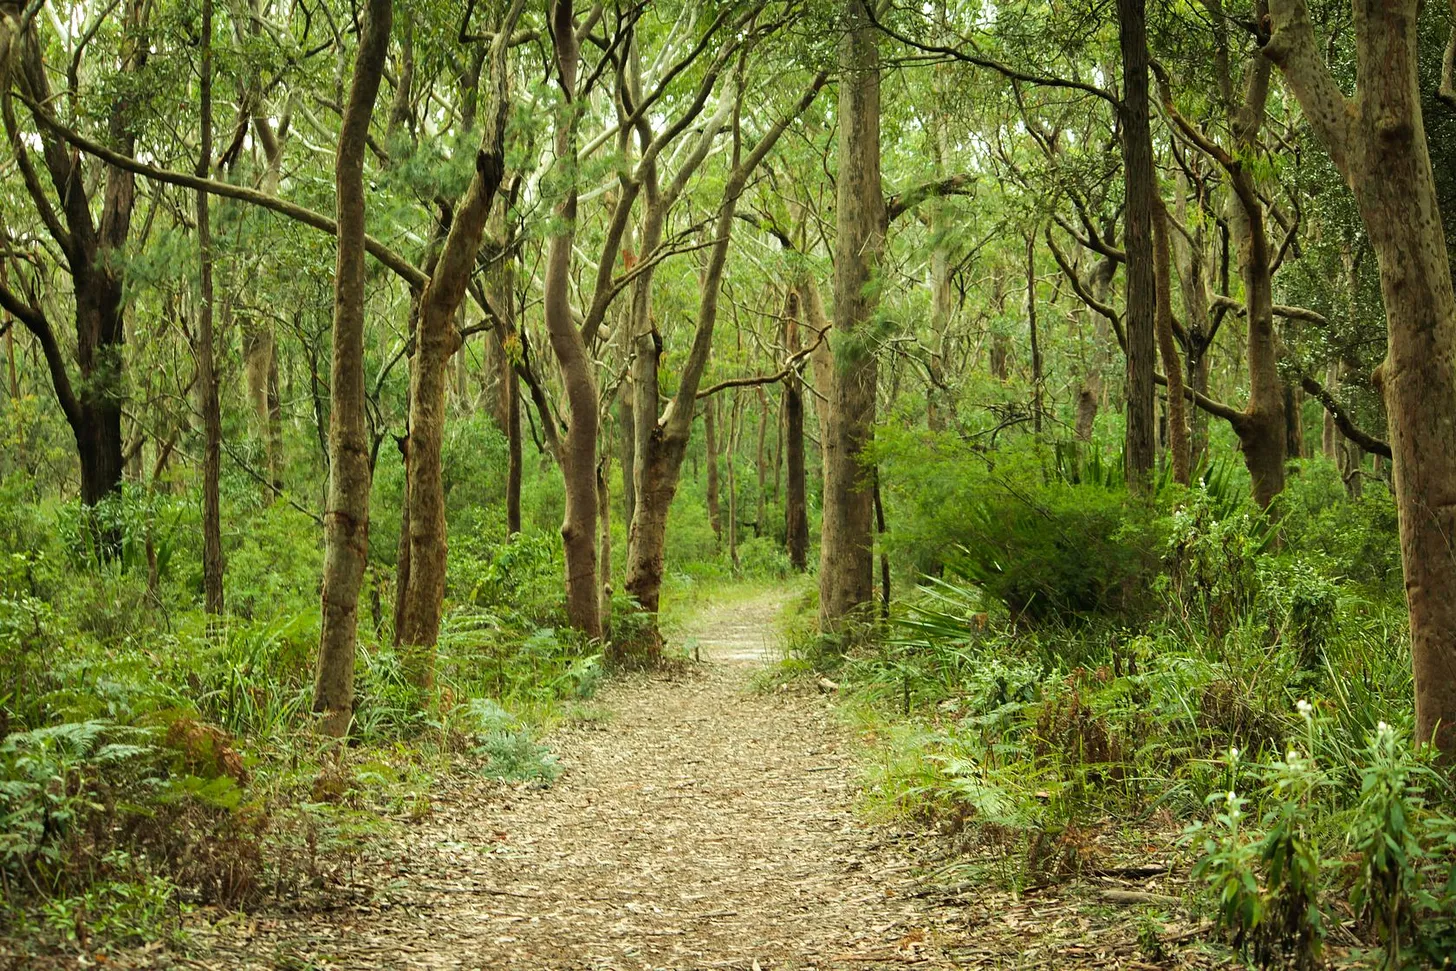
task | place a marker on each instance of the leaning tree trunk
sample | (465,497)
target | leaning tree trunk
(1137,158)
(1378,142)
(346,519)
(437,338)
(662,442)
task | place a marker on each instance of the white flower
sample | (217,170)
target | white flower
(1304,707)
(1383,728)
(1233,757)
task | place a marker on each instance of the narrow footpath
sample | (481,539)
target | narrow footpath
(702,824)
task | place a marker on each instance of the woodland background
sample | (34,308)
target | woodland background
(395,371)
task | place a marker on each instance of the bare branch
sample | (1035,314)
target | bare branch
(1342,418)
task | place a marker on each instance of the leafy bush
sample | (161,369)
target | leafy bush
(1044,543)
(508,749)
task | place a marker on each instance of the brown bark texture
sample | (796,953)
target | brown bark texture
(796,510)
(212,556)
(1377,140)
(578,452)
(91,247)
(662,440)
(346,516)
(437,339)
(1179,444)
(846,561)
(1139,445)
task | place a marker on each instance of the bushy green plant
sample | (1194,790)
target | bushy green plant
(519,577)
(1402,891)
(763,558)
(1046,546)
(509,751)
(1355,538)
(1212,557)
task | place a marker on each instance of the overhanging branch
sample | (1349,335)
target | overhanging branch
(1342,418)
(407,271)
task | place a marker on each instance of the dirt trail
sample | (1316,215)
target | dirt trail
(703,825)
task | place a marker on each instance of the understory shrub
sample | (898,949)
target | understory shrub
(1251,689)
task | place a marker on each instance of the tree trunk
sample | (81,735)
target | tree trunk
(513,455)
(821,358)
(1193,287)
(604,522)
(258,365)
(846,563)
(346,520)
(1137,154)
(94,258)
(763,416)
(710,447)
(796,509)
(1378,142)
(662,441)
(1178,439)
(578,457)
(505,399)
(778,459)
(884,555)
(1293,421)
(942,301)
(402,549)
(212,558)
(735,427)
(1000,358)
(627,422)
(1036,376)
(437,338)
(8,324)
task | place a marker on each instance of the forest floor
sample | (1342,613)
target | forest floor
(701,822)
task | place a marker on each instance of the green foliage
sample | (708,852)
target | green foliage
(1042,541)
(507,747)
(151,757)
(1238,708)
